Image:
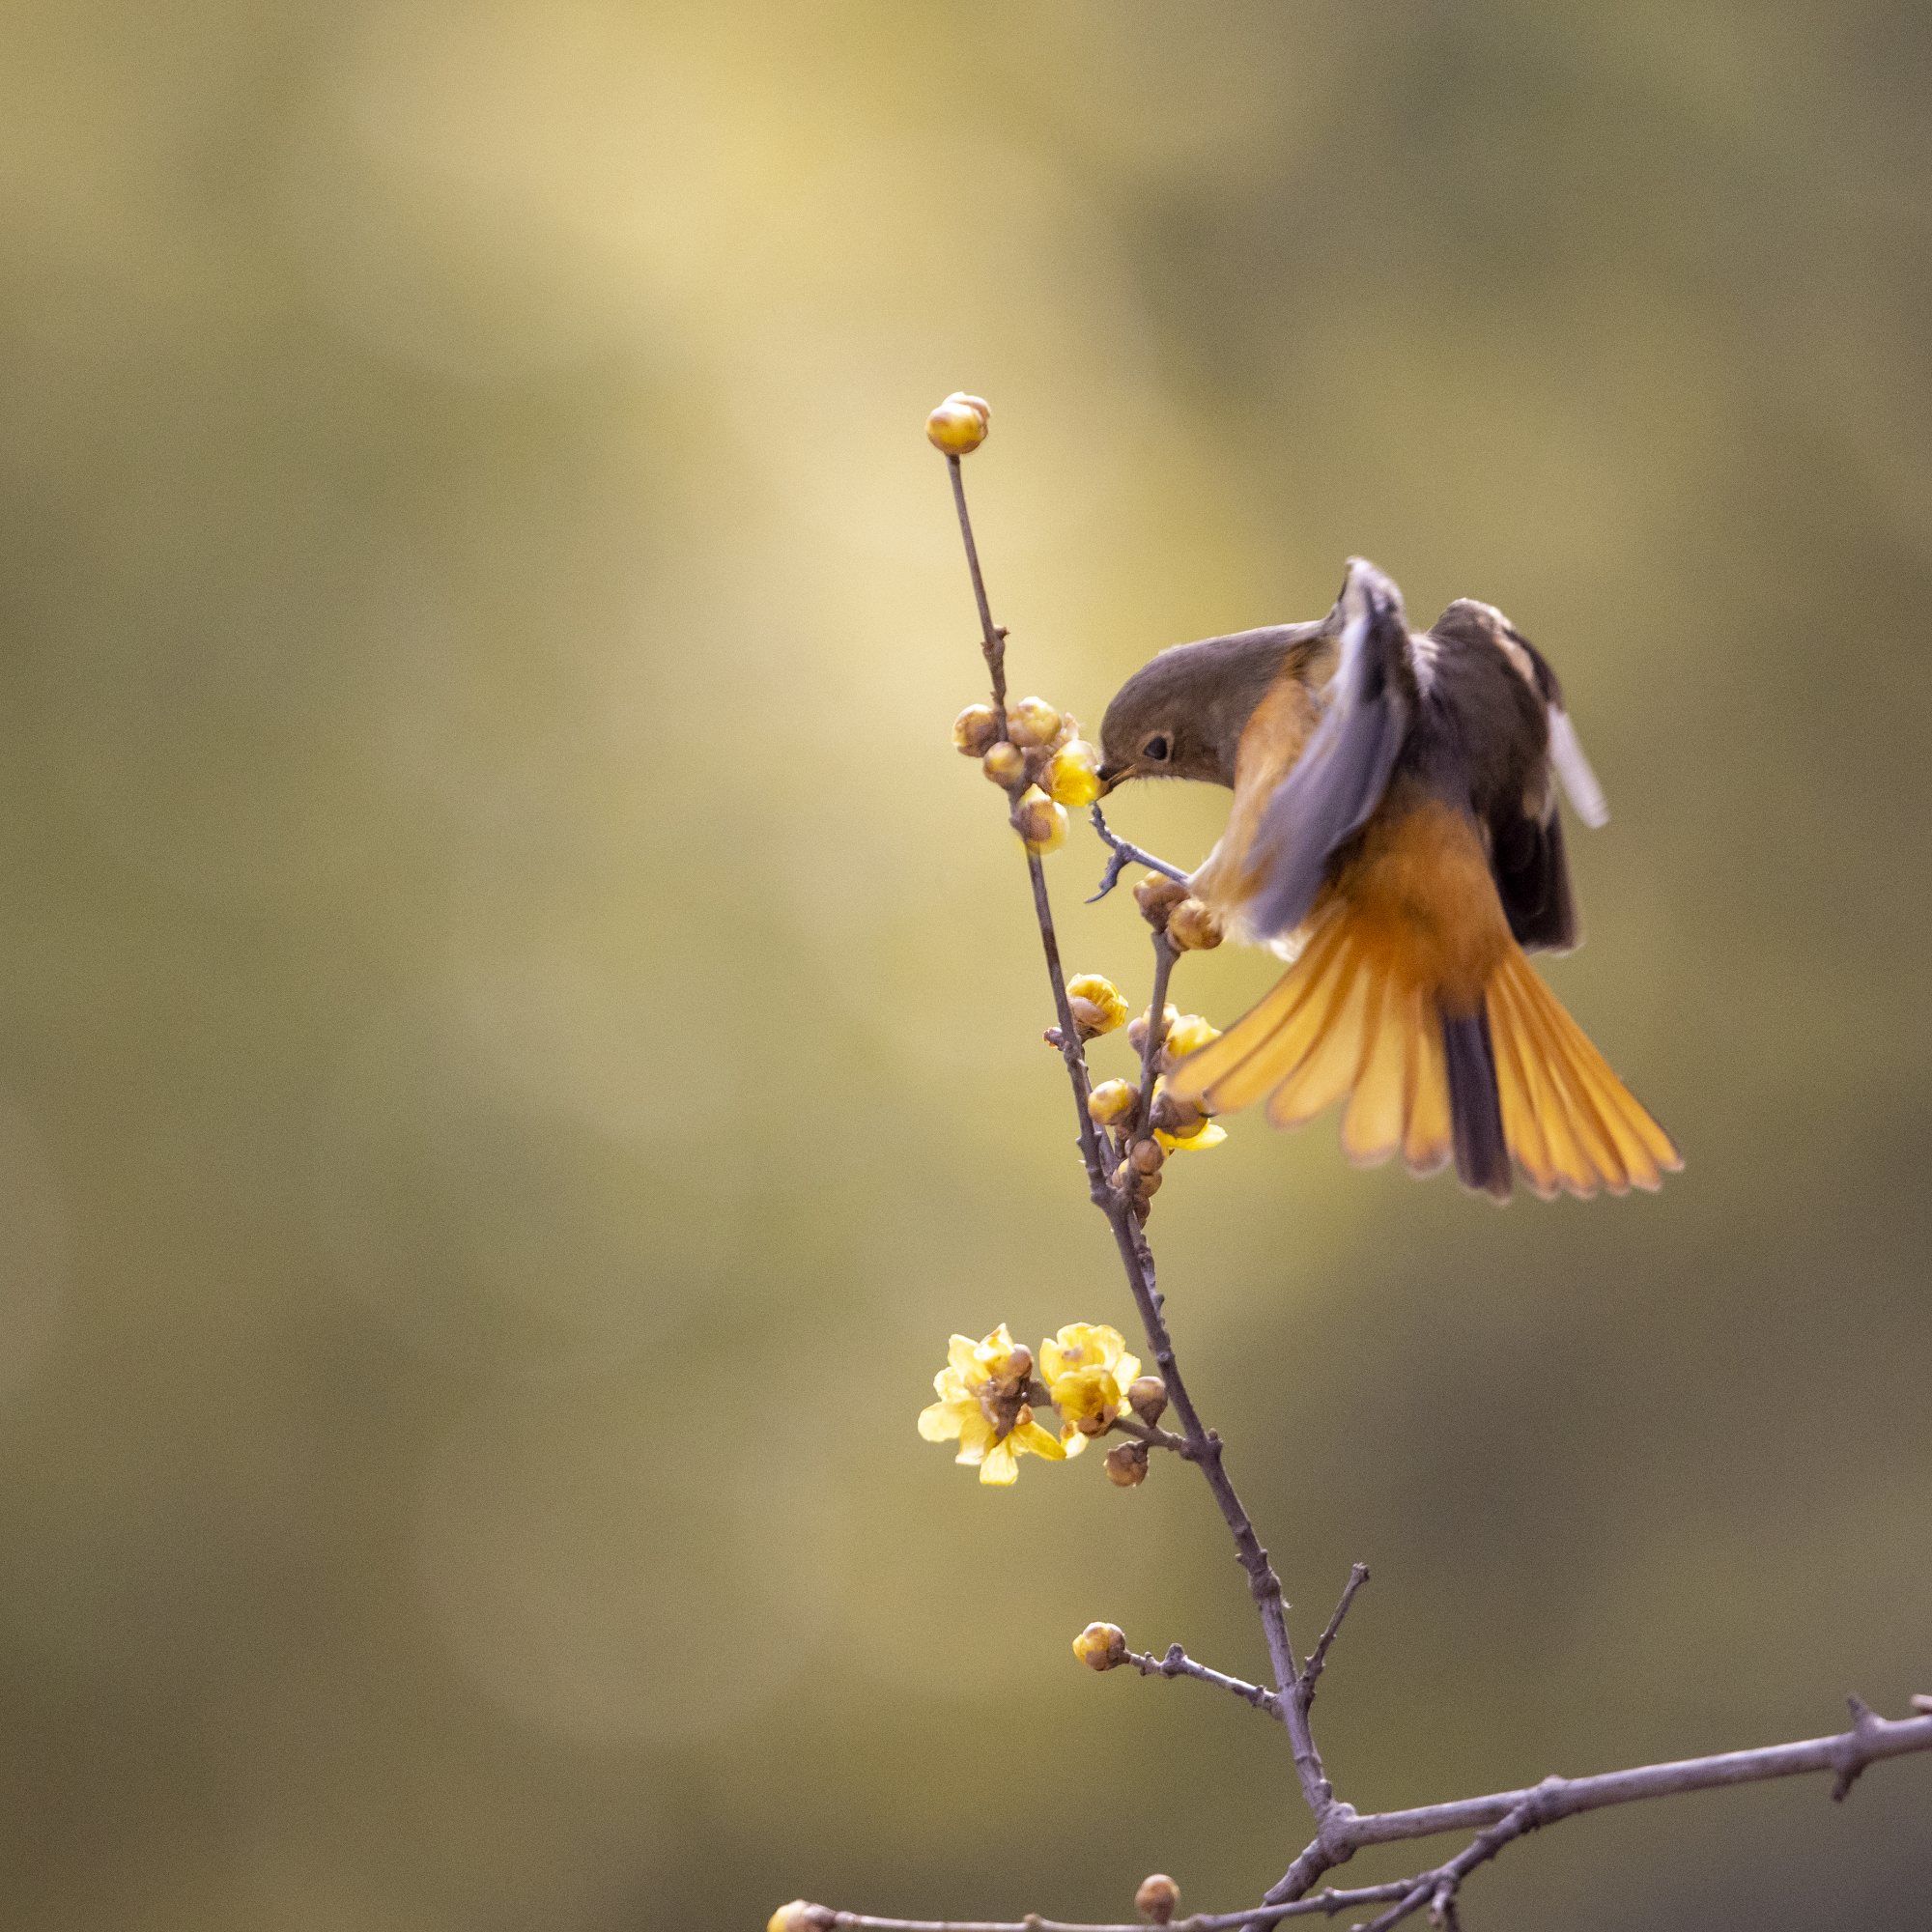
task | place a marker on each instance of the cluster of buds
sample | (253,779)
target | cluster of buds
(1167,905)
(1035,755)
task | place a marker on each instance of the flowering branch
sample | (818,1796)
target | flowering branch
(988,1390)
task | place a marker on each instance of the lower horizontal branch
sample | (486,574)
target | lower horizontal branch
(1325,1903)
(1845,1754)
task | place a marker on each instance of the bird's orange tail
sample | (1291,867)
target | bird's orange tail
(1354,1018)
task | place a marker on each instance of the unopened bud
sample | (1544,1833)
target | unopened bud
(1032,721)
(1147,1184)
(1147,1397)
(1101,1646)
(1157,895)
(1041,823)
(1137,1032)
(1073,777)
(1086,1016)
(1005,764)
(1146,1155)
(1111,1102)
(1169,1116)
(1159,1899)
(1019,1364)
(1105,999)
(958,425)
(797,1916)
(1192,927)
(1127,1465)
(975,730)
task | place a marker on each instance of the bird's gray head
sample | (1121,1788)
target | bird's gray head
(1182,715)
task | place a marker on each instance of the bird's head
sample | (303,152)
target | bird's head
(1182,715)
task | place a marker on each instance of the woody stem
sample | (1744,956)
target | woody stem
(1203,1446)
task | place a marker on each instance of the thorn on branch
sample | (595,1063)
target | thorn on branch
(1864,1727)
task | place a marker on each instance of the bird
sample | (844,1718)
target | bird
(1395,834)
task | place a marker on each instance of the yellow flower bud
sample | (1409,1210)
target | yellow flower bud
(1209,1134)
(1109,1004)
(1147,1397)
(1005,764)
(958,425)
(1101,1646)
(1191,928)
(1087,1016)
(1157,895)
(1038,821)
(1032,721)
(1073,777)
(797,1916)
(975,730)
(1127,1465)
(1111,1102)
(1159,1899)
(1137,1032)
(1190,1033)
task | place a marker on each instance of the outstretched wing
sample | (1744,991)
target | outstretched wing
(1518,804)
(1339,779)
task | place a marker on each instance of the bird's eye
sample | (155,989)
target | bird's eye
(1156,750)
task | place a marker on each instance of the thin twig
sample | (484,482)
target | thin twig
(1124,852)
(1437,1888)
(1157,1031)
(1318,1657)
(1155,1437)
(1178,1663)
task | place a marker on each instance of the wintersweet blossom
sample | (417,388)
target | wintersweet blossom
(983,1407)
(1087,1369)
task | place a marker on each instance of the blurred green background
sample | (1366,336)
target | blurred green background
(519,1039)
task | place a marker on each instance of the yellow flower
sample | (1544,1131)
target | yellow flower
(1209,1134)
(1109,1004)
(983,1407)
(1073,776)
(1190,1033)
(1087,1368)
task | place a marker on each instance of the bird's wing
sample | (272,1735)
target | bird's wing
(1339,780)
(1527,859)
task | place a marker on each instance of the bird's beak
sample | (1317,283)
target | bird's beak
(1109,776)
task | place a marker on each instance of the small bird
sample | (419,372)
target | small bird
(1395,832)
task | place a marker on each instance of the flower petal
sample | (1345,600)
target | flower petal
(1000,1469)
(1037,1441)
(941,1421)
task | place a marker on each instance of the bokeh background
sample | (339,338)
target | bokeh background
(519,1039)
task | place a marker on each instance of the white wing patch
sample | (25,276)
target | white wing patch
(1573,771)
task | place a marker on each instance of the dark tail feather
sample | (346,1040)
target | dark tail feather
(1475,1110)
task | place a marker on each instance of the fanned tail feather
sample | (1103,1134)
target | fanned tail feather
(1515,1078)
